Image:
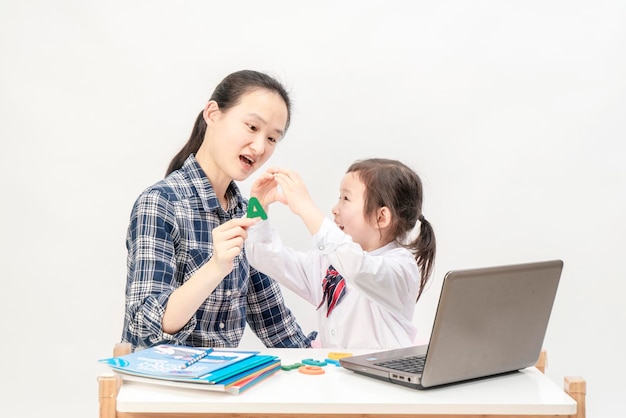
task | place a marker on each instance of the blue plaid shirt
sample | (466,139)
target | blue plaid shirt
(169,239)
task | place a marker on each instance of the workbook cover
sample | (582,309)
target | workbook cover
(176,361)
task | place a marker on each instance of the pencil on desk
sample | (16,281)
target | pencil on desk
(196,358)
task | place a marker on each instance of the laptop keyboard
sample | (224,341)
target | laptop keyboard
(412,364)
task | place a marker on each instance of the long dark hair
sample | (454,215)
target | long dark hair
(393,184)
(227,94)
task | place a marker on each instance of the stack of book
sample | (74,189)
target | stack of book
(230,371)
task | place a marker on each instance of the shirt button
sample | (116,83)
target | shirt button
(228,293)
(321,248)
(222,325)
(332,332)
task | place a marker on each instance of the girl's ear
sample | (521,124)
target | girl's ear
(383,217)
(211,110)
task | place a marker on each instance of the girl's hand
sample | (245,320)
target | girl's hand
(228,241)
(265,189)
(294,191)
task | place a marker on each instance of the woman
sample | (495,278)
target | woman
(189,281)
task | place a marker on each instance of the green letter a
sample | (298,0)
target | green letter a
(255,209)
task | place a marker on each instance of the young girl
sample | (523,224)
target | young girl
(188,279)
(362,275)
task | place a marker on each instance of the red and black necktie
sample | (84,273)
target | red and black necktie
(334,288)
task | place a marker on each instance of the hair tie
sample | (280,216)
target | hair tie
(421,218)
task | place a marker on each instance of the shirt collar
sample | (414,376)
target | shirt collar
(381,250)
(205,191)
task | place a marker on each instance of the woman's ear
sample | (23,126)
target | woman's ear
(211,110)
(383,217)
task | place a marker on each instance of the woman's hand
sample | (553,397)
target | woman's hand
(228,241)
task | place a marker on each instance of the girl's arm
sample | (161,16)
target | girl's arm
(296,270)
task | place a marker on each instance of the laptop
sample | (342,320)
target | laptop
(489,321)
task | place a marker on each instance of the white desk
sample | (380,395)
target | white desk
(339,391)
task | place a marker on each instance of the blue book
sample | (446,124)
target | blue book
(168,361)
(238,370)
(246,380)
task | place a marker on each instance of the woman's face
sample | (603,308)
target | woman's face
(241,139)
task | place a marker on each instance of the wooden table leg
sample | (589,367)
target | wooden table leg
(108,386)
(576,387)
(542,362)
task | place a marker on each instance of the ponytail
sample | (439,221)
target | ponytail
(425,248)
(191,147)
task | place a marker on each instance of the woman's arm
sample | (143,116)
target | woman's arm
(151,278)
(228,241)
(159,306)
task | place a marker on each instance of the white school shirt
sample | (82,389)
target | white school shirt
(381,286)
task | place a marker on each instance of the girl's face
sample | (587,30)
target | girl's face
(348,213)
(240,140)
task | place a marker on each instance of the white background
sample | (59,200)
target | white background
(512,113)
